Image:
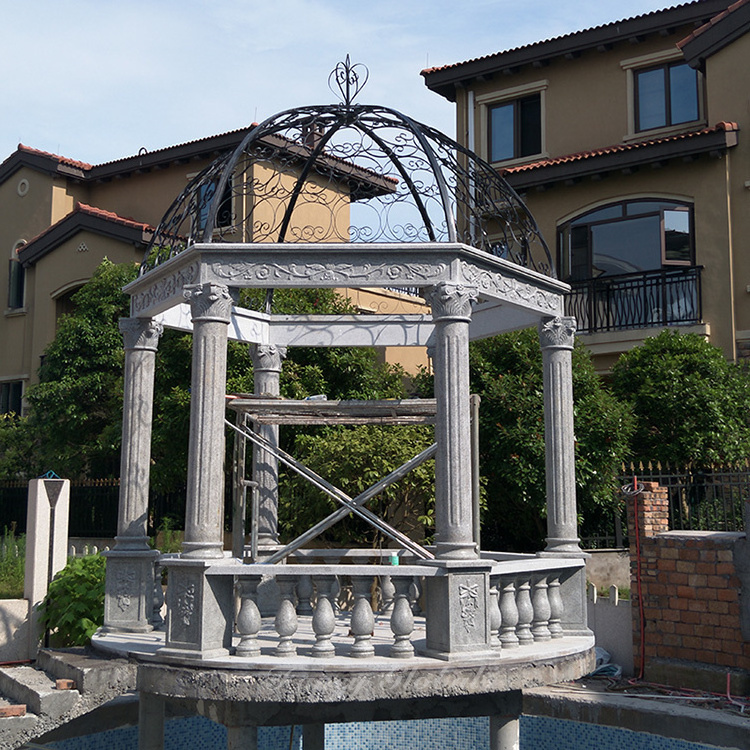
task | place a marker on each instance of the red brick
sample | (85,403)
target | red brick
(692,617)
(731,647)
(703,631)
(720,607)
(724,555)
(657,589)
(17,710)
(716,582)
(697,581)
(684,628)
(685,592)
(698,605)
(678,579)
(708,555)
(683,566)
(691,554)
(707,657)
(725,569)
(711,618)
(706,568)
(670,614)
(726,595)
(669,553)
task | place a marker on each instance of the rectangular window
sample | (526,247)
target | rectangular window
(665,95)
(515,128)
(16,278)
(11,393)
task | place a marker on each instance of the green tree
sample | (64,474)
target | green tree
(506,371)
(690,404)
(353,459)
(76,406)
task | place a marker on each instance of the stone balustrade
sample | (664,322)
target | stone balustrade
(363,611)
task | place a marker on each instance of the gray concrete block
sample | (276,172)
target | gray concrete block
(37,690)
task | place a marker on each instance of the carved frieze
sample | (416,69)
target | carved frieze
(165,288)
(186,603)
(557,332)
(209,302)
(141,333)
(451,300)
(496,284)
(347,273)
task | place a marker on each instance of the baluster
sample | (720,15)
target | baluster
(540,602)
(324,620)
(304,593)
(402,621)
(525,613)
(415,591)
(508,614)
(387,590)
(555,606)
(156,619)
(363,621)
(495,616)
(248,618)
(286,617)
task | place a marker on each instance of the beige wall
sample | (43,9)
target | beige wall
(587,104)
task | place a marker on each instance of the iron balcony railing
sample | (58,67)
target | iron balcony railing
(667,296)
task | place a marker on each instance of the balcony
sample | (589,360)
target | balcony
(665,297)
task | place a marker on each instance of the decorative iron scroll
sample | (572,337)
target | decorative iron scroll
(350,173)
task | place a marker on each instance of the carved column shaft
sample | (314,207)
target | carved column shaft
(267,361)
(129,585)
(451,313)
(141,340)
(556,337)
(211,306)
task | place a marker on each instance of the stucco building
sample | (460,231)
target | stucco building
(625,141)
(59,218)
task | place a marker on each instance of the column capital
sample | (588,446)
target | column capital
(557,333)
(141,333)
(209,302)
(267,356)
(450,300)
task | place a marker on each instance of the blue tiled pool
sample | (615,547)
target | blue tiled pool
(537,733)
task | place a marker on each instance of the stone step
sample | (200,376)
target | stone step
(90,673)
(37,690)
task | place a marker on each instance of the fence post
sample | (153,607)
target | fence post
(46,544)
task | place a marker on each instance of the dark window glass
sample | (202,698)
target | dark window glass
(205,197)
(516,128)
(11,394)
(626,238)
(666,95)
(16,277)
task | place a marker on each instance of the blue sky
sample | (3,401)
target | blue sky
(96,80)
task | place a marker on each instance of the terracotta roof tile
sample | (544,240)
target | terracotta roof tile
(55,157)
(716,19)
(617,148)
(572,35)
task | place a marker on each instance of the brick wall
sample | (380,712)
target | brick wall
(690,586)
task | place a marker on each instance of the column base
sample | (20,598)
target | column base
(129,591)
(202,550)
(456,550)
(560,547)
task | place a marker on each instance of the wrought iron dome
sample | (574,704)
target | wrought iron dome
(351,173)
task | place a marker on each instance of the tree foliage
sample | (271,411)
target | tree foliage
(690,404)
(506,371)
(353,459)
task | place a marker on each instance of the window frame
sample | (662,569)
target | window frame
(8,399)
(565,232)
(518,129)
(485,103)
(666,69)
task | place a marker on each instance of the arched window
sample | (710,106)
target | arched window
(16,279)
(626,237)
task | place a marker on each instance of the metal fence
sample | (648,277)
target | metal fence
(93,507)
(712,499)
(636,300)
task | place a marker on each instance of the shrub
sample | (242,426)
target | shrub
(12,564)
(74,606)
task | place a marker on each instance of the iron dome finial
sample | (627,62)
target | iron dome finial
(347,80)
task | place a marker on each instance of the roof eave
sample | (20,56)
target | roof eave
(73,224)
(709,40)
(443,81)
(599,165)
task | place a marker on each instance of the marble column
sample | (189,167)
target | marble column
(130,565)
(267,361)
(451,313)
(505,732)
(210,307)
(556,336)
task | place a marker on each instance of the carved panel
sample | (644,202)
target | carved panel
(165,288)
(495,284)
(328,274)
(209,302)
